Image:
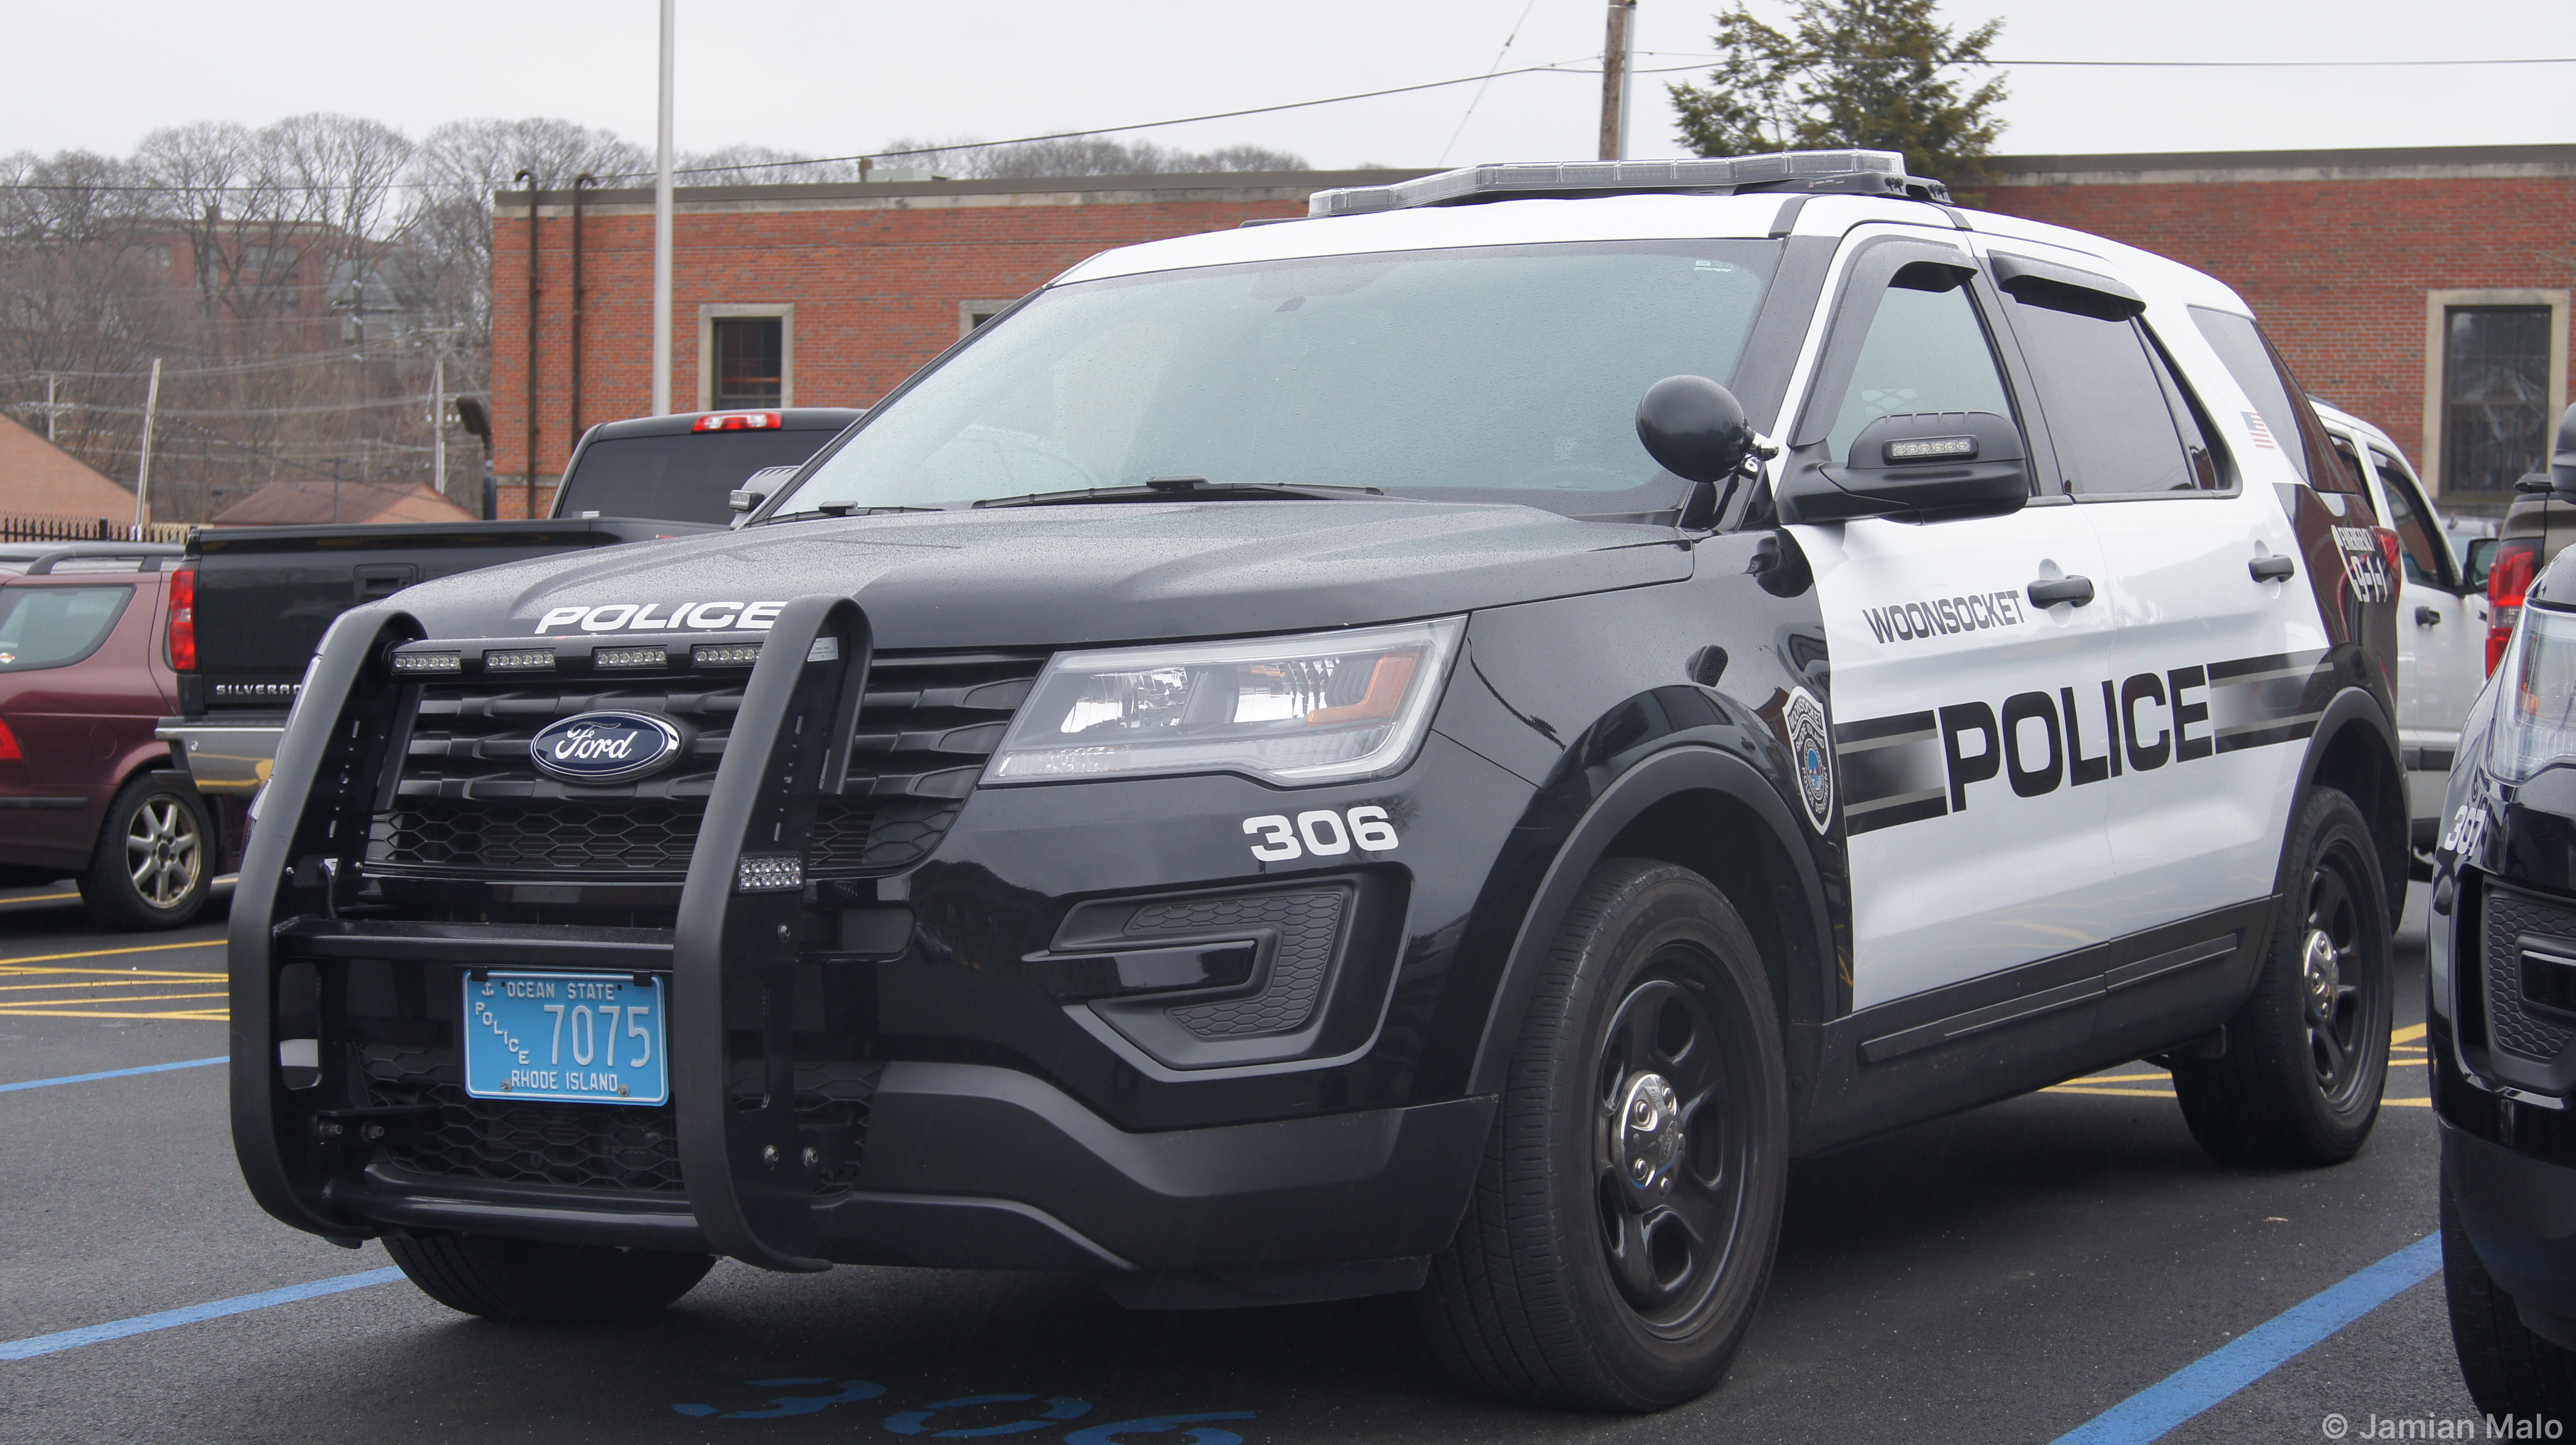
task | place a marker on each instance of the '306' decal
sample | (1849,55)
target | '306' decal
(1322,832)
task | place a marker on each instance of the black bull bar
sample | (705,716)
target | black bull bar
(730,957)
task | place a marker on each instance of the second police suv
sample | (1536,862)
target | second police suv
(1429,748)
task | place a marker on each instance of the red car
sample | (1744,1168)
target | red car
(86,790)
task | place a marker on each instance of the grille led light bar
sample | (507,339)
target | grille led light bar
(725,654)
(416,662)
(524,659)
(629,657)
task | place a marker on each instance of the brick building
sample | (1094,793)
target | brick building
(2423,289)
(803,295)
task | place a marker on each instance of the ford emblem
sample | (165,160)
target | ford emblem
(604,747)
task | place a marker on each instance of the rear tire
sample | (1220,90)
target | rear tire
(2508,1369)
(2307,1054)
(1625,1220)
(526,1282)
(154,862)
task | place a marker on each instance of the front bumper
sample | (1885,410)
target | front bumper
(228,758)
(979,1116)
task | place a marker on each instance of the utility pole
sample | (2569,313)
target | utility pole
(1616,50)
(52,409)
(438,416)
(662,223)
(143,478)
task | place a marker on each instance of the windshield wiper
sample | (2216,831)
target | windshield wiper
(1186,489)
(842,509)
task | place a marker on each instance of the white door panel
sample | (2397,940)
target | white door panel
(1973,848)
(2215,678)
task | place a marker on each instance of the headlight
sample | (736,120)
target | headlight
(1322,708)
(2535,715)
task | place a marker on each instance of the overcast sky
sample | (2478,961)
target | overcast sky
(838,77)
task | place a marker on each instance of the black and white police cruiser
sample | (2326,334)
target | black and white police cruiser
(1433,748)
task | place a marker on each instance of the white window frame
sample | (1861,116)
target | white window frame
(987,307)
(711,312)
(2437,308)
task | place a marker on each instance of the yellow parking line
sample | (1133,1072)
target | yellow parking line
(42,898)
(113,972)
(117,982)
(2411,1103)
(107,952)
(2118,1093)
(2160,1077)
(210,1016)
(14,1005)
(2407,1035)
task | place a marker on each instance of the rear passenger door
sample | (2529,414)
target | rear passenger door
(2207,685)
(2441,639)
(1974,847)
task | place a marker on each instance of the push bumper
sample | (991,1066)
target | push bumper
(964,1165)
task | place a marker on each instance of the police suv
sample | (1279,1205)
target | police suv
(1432,747)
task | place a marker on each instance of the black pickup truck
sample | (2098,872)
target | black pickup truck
(250,604)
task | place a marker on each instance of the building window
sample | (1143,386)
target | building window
(2495,376)
(746,356)
(750,361)
(2495,395)
(972,314)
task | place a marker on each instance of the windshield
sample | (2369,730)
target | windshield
(1506,373)
(682,478)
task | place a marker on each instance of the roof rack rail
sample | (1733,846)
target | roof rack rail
(149,555)
(1846,172)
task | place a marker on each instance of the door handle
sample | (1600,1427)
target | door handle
(2048,592)
(2272,569)
(2427,617)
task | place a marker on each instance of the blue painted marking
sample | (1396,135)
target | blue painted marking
(2150,1413)
(171,1319)
(1195,1434)
(109,1074)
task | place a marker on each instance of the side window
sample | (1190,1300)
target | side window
(2105,393)
(42,626)
(2349,462)
(1926,351)
(2282,418)
(2427,557)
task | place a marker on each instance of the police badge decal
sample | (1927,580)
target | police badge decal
(1811,747)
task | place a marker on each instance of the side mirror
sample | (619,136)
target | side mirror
(2479,561)
(1921,466)
(1694,428)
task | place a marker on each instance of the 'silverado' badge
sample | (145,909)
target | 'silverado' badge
(604,747)
(1811,747)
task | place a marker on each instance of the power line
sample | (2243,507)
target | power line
(2147,64)
(1479,97)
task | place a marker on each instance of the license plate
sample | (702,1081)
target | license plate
(590,1038)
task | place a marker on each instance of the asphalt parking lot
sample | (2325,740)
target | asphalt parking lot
(2011,1274)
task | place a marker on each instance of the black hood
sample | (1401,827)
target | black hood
(1076,575)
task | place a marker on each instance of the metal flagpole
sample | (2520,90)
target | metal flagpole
(662,225)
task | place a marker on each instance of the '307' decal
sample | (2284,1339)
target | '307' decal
(1322,832)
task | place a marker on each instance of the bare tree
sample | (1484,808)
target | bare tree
(1079,156)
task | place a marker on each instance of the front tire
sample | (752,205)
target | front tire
(1625,1220)
(2307,1054)
(2509,1370)
(154,861)
(526,1282)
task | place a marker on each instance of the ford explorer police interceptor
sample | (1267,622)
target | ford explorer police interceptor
(1431,747)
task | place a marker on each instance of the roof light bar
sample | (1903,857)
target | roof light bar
(1857,172)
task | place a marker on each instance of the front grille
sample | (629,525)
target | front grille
(2511,918)
(586,1146)
(465,801)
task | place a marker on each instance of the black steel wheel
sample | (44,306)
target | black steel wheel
(154,862)
(2307,1054)
(528,1282)
(1629,1206)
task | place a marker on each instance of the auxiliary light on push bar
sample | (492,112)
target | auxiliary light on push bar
(725,654)
(768,873)
(520,659)
(419,662)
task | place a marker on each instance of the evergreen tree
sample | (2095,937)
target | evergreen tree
(1869,74)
